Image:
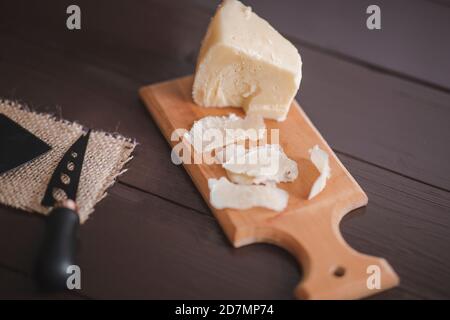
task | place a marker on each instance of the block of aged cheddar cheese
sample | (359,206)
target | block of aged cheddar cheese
(244,62)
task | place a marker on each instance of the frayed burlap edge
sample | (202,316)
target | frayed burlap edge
(105,158)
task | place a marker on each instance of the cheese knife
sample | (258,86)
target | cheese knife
(58,248)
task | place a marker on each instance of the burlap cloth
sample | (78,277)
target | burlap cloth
(106,154)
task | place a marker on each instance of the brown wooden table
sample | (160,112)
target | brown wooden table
(380,98)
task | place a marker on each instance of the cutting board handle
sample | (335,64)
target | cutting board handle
(331,268)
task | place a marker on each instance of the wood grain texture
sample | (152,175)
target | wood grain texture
(136,242)
(356,108)
(309,229)
(17,286)
(388,226)
(92,77)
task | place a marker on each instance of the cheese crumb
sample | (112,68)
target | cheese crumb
(229,152)
(224,194)
(320,159)
(213,132)
(261,165)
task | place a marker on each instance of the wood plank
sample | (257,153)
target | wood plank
(87,77)
(395,124)
(405,221)
(15,285)
(48,83)
(139,246)
(155,26)
(307,228)
(392,136)
(407,45)
(145,169)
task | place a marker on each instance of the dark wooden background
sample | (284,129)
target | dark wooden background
(380,98)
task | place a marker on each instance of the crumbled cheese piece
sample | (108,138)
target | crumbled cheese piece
(224,194)
(320,159)
(213,132)
(260,165)
(229,152)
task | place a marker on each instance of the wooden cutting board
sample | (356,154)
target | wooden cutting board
(309,229)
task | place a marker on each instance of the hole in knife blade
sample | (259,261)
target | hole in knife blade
(70,166)
(65,178)
(59,194)
(74,154)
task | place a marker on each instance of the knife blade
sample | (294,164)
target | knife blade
(58,248)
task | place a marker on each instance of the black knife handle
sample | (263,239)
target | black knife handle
(58,249)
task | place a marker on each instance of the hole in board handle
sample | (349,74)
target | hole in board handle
(339,272)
